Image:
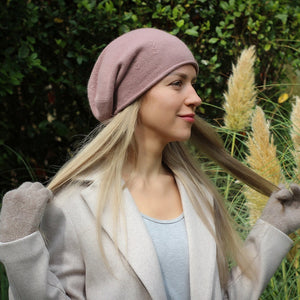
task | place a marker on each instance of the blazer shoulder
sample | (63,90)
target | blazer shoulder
(70,194)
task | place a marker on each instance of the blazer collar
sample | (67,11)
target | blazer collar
(133,240)
(202,250)
(137,247)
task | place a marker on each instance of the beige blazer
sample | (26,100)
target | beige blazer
(70,266)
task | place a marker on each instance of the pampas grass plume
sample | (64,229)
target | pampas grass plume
(262,159)
(295,136)
(240,97)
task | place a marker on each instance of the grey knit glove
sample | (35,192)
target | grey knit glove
(22,210)
(283,209)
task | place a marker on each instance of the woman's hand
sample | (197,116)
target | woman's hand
(22,210)
(283,209)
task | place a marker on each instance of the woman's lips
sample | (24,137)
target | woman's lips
(189,118)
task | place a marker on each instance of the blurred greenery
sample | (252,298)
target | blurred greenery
(48,48)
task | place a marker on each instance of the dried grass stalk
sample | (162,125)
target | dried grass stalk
(262,159)
(294,253)
(240,98)
(295,134)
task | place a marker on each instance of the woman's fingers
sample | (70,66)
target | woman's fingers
(284,195)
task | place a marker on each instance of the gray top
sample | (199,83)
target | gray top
(170,241)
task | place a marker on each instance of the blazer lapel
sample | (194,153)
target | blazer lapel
(202,251)
(135,244)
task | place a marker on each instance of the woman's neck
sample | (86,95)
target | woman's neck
(146,162)
(152,186)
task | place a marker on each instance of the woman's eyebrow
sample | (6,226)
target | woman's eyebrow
(182,75)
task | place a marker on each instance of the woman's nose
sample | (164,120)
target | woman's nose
(193,98)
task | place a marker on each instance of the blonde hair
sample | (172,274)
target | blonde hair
(107,151)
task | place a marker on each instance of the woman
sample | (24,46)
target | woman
(133,217)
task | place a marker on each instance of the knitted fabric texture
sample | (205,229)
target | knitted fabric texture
(132,64)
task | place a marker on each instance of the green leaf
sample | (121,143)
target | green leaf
(60,128)
(175,31)
(242,7)
(16,78)
(134,18)
(261,36)
(214,59)
(31,39)
(70,54)
(282,17)
(202,110)
(58,41)
(267,47)
(180,23)
(213,40)
(33,56)
(224,5)
(23,51)
(223,42)
(219,31)
(79,59)
(175,12)
(193,31)
(42,125)
(109,7)
(232,3)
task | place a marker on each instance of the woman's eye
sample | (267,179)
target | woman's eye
(177,83)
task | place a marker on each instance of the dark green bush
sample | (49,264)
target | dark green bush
(48,49)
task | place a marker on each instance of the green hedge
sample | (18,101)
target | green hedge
(48,48)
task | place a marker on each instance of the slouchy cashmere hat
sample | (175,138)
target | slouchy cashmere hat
(132,64)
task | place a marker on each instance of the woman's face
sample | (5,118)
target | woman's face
(168,108)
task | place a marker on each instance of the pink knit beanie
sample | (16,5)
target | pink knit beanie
(130,65)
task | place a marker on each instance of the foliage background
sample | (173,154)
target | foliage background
(48,48)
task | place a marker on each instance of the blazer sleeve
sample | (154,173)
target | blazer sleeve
(267,246)
(35,271)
